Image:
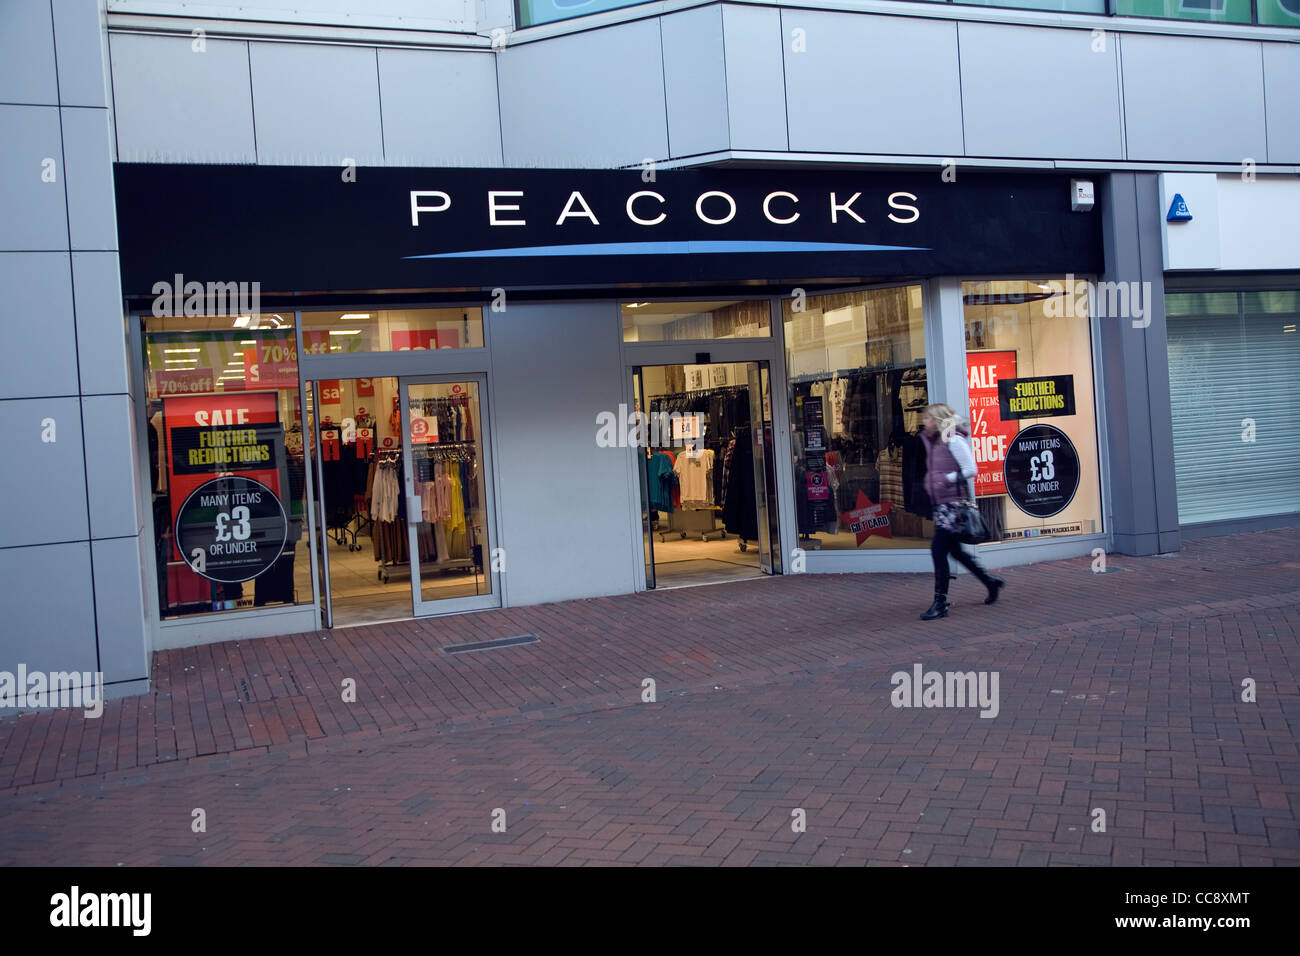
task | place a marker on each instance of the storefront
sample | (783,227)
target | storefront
(422,391)
(1232,301)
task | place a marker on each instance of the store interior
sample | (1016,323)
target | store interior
(366,518)
(701,506)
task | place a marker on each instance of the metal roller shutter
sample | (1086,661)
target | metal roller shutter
(1233,357)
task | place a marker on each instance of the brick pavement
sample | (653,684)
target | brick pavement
(1118,691)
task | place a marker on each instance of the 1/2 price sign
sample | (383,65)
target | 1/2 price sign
(990,435)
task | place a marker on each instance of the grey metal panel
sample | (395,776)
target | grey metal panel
(695,81)
(46,496)
(119,609)
(565,529)
(88,153)
(1193,99)
(46,606)
(1282,96)
(755,77)
(869,84)
(593,99)
(1037,92)
(1139,424)
(440,108)
(101,330)
(27,52)
(78,36)
(315,104)
(111,478)
(203,113)
(32,212)
(40,348)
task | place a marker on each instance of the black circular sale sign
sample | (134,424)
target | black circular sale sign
(231,529)
(1041,471)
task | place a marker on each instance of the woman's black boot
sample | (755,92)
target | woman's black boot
(938,609)
(994,584)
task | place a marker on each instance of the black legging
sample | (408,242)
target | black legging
(946,543)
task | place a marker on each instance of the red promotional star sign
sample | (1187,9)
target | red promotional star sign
(868,519)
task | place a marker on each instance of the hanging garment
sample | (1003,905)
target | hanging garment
(740,511)
(660,479)
(694,470)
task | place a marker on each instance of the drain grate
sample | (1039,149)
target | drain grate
(490,645)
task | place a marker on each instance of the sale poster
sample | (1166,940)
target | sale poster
(208,436)
(990,435)
(417,339)
(270,360)
(182,382)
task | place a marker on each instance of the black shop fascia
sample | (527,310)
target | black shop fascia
(304,230)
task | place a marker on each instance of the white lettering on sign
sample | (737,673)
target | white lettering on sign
(495,207)
(229,416)
(984,376)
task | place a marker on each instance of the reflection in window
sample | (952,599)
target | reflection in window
(857,394)
(678,321)
(226,471)
(391,330)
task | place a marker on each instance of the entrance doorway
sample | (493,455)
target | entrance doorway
(708,488)
(402,497)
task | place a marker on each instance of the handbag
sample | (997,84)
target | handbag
(968,524)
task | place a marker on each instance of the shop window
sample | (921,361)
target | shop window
(226,470)
(1065,6)
(1234,381)
(858,391)
(1279,13)
(1032,407)
(680,321)
(1214,11)
(391,330)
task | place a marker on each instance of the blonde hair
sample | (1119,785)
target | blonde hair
(945,419)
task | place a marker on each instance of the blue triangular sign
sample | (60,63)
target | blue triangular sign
(1178,211)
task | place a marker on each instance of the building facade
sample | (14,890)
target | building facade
(325,316)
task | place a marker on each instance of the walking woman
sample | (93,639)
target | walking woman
(949,465)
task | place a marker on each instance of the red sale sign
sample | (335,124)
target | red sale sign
(418,339)
(990,435)
(271,361)
(211,435)
(331,393)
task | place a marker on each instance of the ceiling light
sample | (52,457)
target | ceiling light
(345,331)
(181,350)
(188,361)
(354,315)
(248,341)
(241,321)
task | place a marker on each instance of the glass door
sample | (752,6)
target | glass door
(447,484)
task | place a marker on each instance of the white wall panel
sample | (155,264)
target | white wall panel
(316,105)
(591,100)
(440,108)
(872,84)
(1039,93)
(695,81)
(203,113)
(1193,99)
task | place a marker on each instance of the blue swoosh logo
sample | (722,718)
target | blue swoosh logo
(682,248)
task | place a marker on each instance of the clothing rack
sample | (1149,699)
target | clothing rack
(854,372)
